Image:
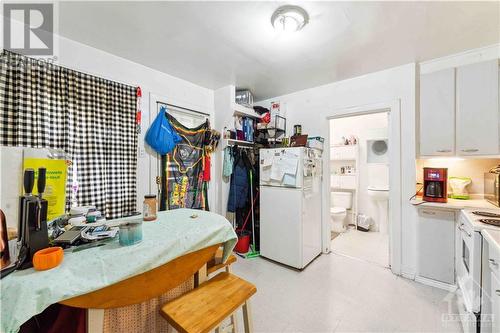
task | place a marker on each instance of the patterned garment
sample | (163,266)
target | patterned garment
(90,118)
(182,177)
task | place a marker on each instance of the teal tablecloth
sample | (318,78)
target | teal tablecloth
(28,292)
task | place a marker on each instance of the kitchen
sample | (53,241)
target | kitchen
(457,192)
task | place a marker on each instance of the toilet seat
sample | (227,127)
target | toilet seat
(337,210)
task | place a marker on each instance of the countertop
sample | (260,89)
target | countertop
(492,237)
(455,204)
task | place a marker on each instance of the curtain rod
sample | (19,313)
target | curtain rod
(71,69)
(183,108)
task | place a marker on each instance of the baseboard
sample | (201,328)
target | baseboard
(408,273)
(437,284)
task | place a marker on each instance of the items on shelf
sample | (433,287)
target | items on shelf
(345,170)
(297,130)
(244,97)
(316,142)
(348,140)
(243,129)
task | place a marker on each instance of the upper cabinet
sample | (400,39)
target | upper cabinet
(437,115)
(477,109)
(459,111)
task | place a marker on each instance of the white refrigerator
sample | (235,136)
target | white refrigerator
(290,205)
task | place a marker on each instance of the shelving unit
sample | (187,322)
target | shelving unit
(346,155)
(243,111)
(278,132)
(234,142)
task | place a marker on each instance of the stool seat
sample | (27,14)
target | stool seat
(216,263)
(204,308)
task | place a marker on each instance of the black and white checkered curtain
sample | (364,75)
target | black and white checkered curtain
(90,118)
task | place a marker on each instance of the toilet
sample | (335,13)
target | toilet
(340,202)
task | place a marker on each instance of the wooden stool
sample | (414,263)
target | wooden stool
(216,263)
(204,308)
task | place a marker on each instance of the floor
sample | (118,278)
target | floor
(370,246)
(336,293)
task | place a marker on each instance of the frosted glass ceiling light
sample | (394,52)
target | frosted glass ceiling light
(289,18)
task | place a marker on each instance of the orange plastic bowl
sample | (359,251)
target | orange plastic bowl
(48,258)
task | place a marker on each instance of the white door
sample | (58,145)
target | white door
(477,109)
(281,225)
(437,113)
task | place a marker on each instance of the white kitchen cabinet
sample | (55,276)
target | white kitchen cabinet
(495,303)
(437,113)
(436,245)
(477,111)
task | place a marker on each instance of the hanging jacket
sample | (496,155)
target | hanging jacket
(227,166)
(238,190)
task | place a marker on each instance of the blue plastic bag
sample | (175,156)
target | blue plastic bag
(161,136)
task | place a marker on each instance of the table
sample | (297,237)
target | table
(174,248)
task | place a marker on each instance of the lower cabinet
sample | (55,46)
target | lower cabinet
(495,303)
(436,245)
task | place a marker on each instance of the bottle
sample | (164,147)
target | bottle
(149,208)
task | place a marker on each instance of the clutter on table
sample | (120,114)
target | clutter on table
(48,258)
(130,233)
(150,204)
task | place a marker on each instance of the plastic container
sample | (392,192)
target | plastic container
(243,244)
(130,233)
(48,258)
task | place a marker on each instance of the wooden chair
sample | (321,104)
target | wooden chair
(204,308)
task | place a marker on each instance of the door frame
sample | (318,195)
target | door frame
(393,109)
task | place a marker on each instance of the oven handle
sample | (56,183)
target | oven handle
(466,232)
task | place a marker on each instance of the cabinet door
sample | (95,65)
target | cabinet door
(436,245)
(437,113)
(495,303)
(477,109)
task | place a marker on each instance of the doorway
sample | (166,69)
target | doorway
(359,186)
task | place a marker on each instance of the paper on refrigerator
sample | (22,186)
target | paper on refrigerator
(266,164)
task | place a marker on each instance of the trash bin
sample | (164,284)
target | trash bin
(364,222)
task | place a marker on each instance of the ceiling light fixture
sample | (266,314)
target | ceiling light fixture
(289,18)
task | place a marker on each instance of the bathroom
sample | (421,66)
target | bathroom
(359,180)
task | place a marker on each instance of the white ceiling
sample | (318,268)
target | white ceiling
(213,44)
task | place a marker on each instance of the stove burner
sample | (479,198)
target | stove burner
(491,222)
(487,214)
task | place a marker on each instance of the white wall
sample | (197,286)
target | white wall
(173,90)
(312,107)
(364,127)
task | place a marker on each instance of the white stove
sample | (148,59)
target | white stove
(469,258)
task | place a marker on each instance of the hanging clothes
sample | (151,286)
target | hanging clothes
(182,169)
(206,168)
(239,186)
(227,165)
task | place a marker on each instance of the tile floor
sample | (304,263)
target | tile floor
(336,293)
(370,246)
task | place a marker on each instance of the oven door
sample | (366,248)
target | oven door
(468,264)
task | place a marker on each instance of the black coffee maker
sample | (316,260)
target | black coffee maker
(32,227)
